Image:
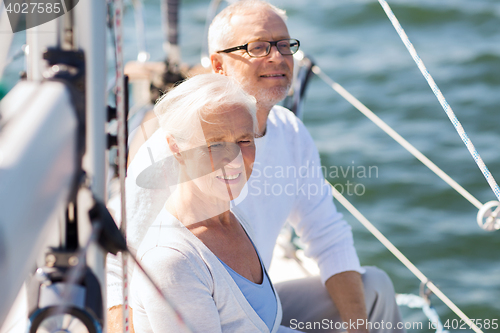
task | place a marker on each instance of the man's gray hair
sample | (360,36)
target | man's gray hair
(181,109)
(220,33)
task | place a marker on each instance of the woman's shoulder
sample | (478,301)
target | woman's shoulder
(168,258)
(175,265)
(168,245)
(165,231)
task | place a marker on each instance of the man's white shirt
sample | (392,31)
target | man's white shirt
(286,184)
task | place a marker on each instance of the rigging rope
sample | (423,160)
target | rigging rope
(393,134)
(122,160)
(447,108)
(415,152)
(414,301)
(394,250)
(122,146)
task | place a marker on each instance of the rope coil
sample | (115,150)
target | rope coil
(414,301)
(487,218)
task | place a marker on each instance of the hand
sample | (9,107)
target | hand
(115,322)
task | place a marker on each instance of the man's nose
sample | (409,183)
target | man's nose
(274,53)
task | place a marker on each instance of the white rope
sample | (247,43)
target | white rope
(447,108)
(399,139)
(368,225)
(122,147)
(414,301)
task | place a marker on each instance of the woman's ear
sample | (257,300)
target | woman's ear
(216,60)
(174,148)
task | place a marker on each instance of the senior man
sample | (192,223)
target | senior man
(249,41)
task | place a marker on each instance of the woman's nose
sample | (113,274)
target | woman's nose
(237,159)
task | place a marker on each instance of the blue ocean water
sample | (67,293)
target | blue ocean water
(354,43)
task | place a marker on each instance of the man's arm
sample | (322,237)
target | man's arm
(346,291)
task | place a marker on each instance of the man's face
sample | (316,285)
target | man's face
(268,78)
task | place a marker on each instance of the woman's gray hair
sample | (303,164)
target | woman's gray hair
(220,33)
(183,107)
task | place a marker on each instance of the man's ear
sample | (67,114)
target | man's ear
(174,148)
(217,61)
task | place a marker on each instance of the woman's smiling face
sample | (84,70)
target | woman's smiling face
(219,160)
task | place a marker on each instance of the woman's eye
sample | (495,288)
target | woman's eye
(215,145)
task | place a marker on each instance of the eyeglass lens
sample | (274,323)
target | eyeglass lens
(262,49)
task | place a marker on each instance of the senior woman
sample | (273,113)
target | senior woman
(197,250)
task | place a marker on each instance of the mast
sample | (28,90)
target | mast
(170,23)
(53,172)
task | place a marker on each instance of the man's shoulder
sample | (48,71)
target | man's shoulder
(285,120)
(280,115)
(286,124)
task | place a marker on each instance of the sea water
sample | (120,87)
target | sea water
(355,44)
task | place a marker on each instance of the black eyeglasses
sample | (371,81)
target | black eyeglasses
(259,49)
